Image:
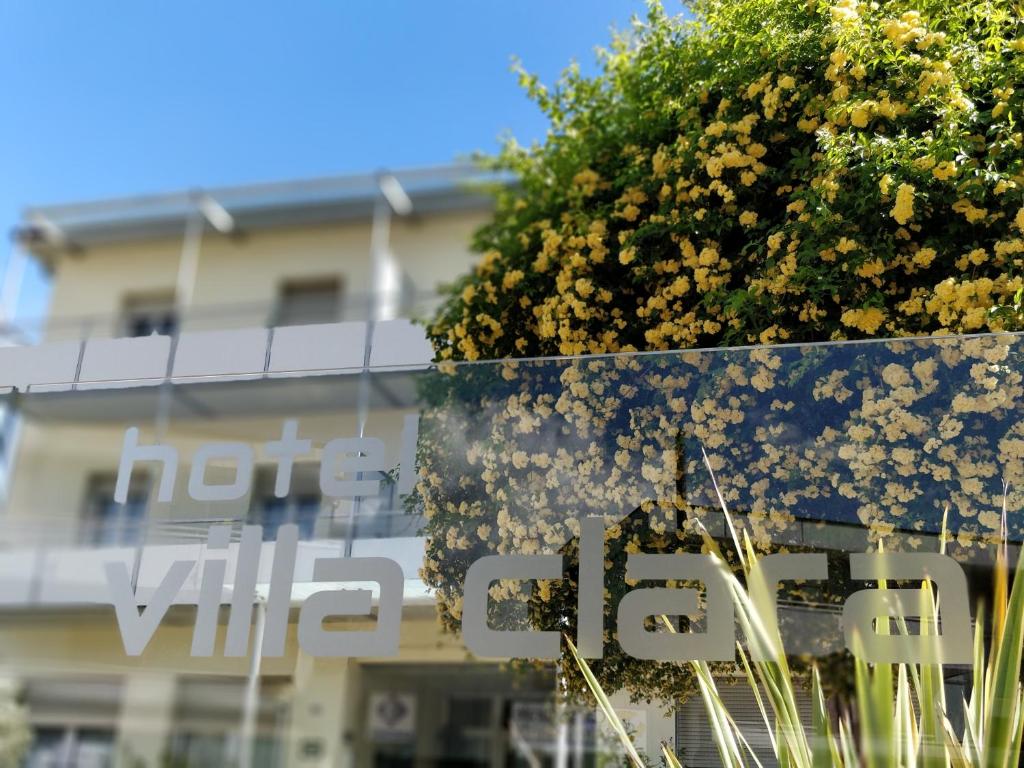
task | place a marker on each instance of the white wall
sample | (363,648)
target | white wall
(249,270)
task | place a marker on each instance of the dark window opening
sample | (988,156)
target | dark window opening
(106,521)
(305,302)
(149,314)
(301,506)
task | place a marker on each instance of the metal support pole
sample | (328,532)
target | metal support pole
(188,264)
(10,293)
(380,233)
(8,439)
(391,199)
(188,269)
(202,210)
(251,703)
(561,738)
(11,286)
(380,236)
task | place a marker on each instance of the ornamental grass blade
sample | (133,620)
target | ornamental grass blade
(875,704)
(725,510)
(670,757)
(748,545)
(971,744)
(1019,736)
(756,690)
(903,723)
(1000,597)
(824,750)
(930,740)
(605,705)
(875,709)
(762,633)
(709,541)
(974,710)
(724,730)
(846,746)
(1003,699)
(728,737)
(783,754)
(774,673)
(958,757)
(931,691)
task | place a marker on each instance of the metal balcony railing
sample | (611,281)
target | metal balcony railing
(41,565)
(223,352)
(415,305)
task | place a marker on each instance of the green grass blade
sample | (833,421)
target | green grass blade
(725,510)
(971,742)
(723,729)
(975,709)
(756,690)
(1014,757)
(774,674)
(824,751)
(846,745)
(670,757)
(931,694)
(605,705)
(728,737)
(903,722)
(1004,678)
(958,757)
(875,704)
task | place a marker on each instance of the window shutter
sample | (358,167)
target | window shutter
(694,742)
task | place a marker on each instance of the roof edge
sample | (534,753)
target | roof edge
(50,231)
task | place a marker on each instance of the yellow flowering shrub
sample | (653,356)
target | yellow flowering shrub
(767,165)
(772,171)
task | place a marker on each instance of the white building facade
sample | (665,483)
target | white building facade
(229,317)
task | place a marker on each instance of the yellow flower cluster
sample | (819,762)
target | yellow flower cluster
(867,320)
(903,210)
(728,227)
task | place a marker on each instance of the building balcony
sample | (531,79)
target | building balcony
(68,404)
(313,302)
(40,569)
(215,345)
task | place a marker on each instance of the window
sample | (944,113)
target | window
(59,747)
(382,516)
(148,314)
(387,500)
(73,722)
(424,714)
(107,522)
(692,725)
(206,716)
(304,302)
(301,506)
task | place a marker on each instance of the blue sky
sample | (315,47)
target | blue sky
(115,98)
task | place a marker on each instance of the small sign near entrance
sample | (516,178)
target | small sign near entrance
(392,717)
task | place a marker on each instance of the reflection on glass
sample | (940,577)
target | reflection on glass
(831,450)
